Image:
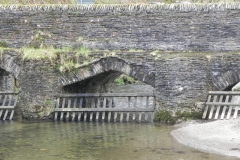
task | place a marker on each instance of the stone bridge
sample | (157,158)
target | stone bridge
(179,79)
(181,50)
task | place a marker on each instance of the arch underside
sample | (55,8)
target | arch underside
(227,80)
(6,81)
(9,71)
(99,83)
(99,75)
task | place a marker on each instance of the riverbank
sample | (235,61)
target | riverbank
(220,136)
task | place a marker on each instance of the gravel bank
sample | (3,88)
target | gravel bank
(221,136)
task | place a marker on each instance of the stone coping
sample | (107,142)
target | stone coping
(123,7)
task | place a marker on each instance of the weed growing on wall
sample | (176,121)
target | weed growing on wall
(80,39)
(39,54)
(66,58)
(3,44)
(64,63)
(119,81)
(124,79)
(39,38)
(16,89)
(48,102)
(135,50)
(1,51)
(82,51)
(189,115)
(68,65)
(165,116)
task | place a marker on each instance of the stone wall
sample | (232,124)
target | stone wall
(183,78)
(175,27)
(179,78)
(38,83)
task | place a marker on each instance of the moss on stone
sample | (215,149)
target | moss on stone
(124,79)
(3,44)
(165,117)
(188,115)
(119,81)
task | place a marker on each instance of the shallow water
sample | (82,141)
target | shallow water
(94,141)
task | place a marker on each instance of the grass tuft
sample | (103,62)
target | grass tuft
(165,117)
(68,66)
(82,51)
(124,79)
(135,50)
(39,54)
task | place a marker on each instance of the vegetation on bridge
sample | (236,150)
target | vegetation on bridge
(58,57)
(66,58)
(124,79)
(164,116)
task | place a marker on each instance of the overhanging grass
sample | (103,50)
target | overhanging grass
(39,54)
(66,62)
(68,65)
(82,51)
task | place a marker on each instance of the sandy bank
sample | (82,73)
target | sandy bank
(221,136)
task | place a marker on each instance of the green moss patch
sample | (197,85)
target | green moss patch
(124,79)
(189,115)
(166,117)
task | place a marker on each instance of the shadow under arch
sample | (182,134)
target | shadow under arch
(97,76)
(7,81)
(11,63)
(226,81)
(10,68)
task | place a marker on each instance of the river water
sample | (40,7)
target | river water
(94,141)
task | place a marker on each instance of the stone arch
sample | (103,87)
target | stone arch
(9,71)
(7,81)
(106,70)
(226,80)
(10,62)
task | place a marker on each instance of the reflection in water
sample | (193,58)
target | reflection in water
(142,141)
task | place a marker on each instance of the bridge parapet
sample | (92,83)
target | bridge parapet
(174,27)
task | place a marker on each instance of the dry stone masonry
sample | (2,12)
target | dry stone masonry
(192,42)
(175,27)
